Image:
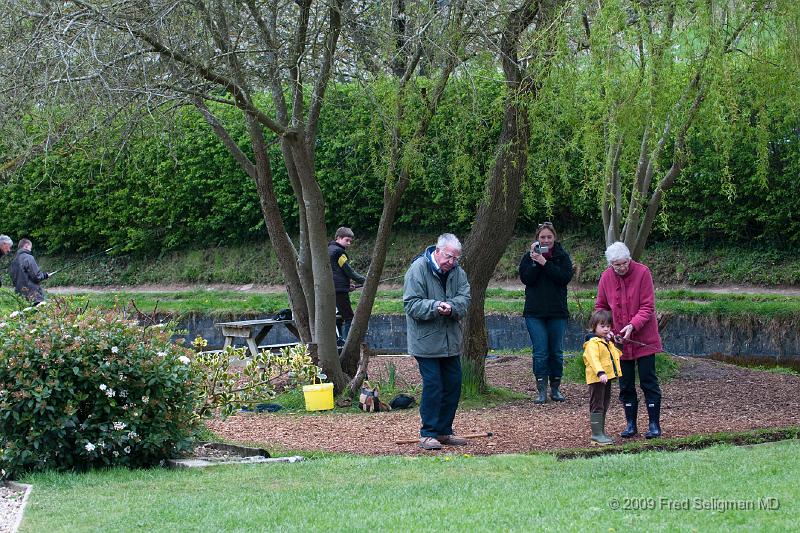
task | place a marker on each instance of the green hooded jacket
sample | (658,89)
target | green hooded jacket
(429,333)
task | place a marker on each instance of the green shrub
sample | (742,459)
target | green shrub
(81,388)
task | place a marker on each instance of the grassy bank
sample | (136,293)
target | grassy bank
(741,307)
(671,263)
(715,489)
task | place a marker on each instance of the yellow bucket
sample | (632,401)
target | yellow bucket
(318,397)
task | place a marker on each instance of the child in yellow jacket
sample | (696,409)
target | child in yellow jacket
(601,357)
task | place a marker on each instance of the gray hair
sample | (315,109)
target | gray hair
(448,239)
(617,252)
(5,239)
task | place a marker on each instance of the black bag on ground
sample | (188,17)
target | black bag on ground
(402,401)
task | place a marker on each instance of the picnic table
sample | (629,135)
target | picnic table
(252,332)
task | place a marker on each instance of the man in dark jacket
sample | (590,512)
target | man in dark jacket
(26,275)
(435,299)
(5,248)
(344,277)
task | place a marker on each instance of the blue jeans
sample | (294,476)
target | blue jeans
(547,338)
(441,389)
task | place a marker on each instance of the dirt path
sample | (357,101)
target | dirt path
(707,397)
(271,289)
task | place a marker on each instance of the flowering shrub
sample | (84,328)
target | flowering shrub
(85,387)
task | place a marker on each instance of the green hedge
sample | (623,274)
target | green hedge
(174,185)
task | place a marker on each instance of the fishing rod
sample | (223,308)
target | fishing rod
(622,340)
(384,280)
(79,261)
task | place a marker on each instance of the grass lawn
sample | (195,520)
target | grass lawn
(683,491)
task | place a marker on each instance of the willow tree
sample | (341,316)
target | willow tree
(651,67)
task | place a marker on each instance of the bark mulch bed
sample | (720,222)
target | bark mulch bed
(706,397)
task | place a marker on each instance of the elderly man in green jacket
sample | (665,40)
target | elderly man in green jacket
(435,299)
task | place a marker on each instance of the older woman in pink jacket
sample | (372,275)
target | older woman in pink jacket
(626,289)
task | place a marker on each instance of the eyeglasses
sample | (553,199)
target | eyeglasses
(621,265)
(449,257)
(545,225)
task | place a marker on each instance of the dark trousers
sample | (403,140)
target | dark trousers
(648,381)
(441,389)
(344,306)
(599,397)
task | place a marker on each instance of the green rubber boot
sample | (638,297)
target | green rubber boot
(599,438)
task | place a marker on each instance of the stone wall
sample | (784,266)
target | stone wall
(681,336)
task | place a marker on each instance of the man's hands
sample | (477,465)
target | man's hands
(444,308)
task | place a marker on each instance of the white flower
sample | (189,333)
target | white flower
(89,447)
(103,386)
(127,449)
(183,359)
(132,435)
(119,426)
(15,313)
(116,453)
(123,393)
(110,393)
(145,399)
(161,354)
(114,349)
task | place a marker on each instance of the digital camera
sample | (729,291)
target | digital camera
(540,248)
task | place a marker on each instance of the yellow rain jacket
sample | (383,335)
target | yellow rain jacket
(600,355)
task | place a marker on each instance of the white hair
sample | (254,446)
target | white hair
(5,239)
(448,239)
(617,252)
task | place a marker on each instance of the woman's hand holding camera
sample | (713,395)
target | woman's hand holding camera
(536,256)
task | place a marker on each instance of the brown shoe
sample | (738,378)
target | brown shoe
(452,440)
(429,443)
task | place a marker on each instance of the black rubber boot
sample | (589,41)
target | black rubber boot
(541,386)
(555,394)
(630,417)
(596,421)
(654,414)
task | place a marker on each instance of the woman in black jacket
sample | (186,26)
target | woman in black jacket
(546,270)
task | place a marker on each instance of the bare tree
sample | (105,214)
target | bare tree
(441,35)
(206,54)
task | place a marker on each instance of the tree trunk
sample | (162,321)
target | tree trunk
(324,296)
(493,229)
(497,214)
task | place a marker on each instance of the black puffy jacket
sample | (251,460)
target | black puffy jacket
(546,286)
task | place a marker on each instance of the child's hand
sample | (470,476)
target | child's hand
(603,379)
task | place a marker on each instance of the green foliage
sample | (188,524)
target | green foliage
(87,388)
(225,389)
(174,185)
